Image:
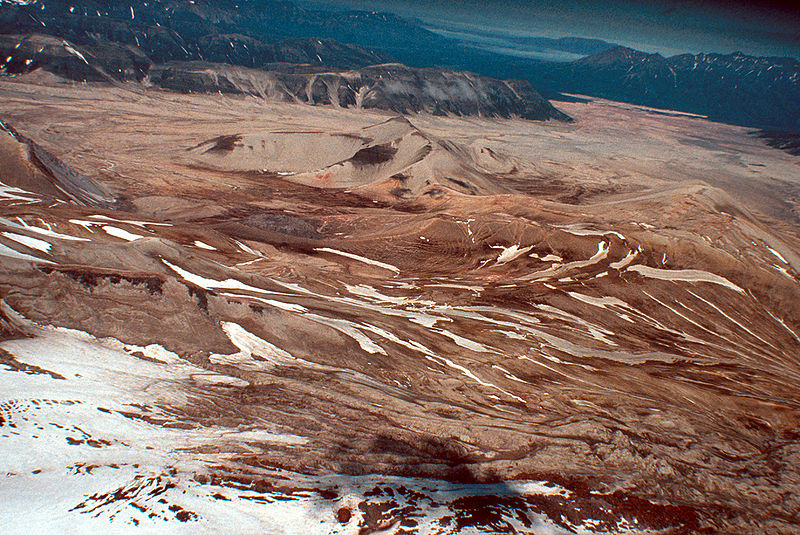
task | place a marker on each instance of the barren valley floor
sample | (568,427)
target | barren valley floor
(220,313)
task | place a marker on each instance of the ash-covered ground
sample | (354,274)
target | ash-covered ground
(224,314)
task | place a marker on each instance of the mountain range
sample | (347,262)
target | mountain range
(733,88)
(127,37)
(227,47)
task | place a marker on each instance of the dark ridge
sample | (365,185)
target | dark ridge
(10,329)
(189,47)
(91,277)
(462,184)
(224,143)
(780,139)
(201,294)
(8,360)
(400,192)
(738,89)
(374,155)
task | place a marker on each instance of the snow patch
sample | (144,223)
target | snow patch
(16,194)
(684,275)
(121,234)
(38,230)
(27,241)
(74,52)
(359,258)
(201,245)
(512,253)
(13,253)
(129,222)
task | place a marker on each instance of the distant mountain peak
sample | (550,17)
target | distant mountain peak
(619,54)
(736,88)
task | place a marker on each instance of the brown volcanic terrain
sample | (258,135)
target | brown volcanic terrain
(316,320)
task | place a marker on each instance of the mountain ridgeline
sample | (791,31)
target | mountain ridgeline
(269,49)
(124,40)
(733,88)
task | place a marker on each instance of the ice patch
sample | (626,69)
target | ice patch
(466,343)
(508,374)
(557,269)
(232,284)
(552,258)
(16,194)
(38,230)
(85,224)
(155,352)
(420,318)
(476,289)
(778,255)
(604,302)
(364,290)
(247,249)
(250,346)
(289,307)
(74,52)
(732,320)
(210,284)
(129,222)
(576,231)
(351,330)
(621,264)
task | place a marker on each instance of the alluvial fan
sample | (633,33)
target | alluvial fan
(224,315)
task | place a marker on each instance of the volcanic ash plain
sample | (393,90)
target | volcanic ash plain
(224,314)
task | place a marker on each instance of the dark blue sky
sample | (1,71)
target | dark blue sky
(665,26)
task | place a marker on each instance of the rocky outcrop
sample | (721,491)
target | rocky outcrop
(392,87)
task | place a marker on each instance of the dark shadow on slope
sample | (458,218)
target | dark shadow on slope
(54,178)
(427,473)
(780,139)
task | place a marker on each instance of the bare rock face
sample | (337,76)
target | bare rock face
(392,87)
(302,321)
